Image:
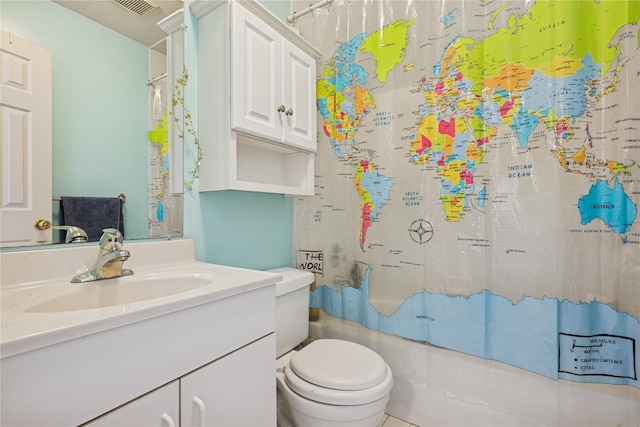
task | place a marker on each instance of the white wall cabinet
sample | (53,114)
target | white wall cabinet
(273,84)
(235,390)
(256,103)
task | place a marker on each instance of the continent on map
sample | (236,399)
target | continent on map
(344,101)
(456,146)
(609,204)
(373,189)
(342,97)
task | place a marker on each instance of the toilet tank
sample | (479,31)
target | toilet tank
(292,308)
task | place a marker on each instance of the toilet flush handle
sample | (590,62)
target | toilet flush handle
(200,404)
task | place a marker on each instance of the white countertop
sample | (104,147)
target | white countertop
(31,275)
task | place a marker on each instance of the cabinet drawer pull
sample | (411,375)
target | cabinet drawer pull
(289,112)
(200,404)
(281,109)
(168,420)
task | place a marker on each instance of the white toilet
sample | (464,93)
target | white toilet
(328,382)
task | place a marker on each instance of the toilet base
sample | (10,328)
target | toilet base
(296,411)
(283,414)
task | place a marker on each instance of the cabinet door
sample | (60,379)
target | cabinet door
(300,98)
(160,408)
(236,390)
(256,93)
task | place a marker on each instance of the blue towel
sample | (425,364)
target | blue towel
(93,214)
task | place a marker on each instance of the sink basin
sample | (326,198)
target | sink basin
(124,290)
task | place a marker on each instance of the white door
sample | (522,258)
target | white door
(299,87)
(25,132)
(256,96)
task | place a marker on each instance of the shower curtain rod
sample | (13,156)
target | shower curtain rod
(155,79)
(311,8)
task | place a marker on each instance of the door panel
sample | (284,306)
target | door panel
(255,76)
(25,132)
(299,86)
(236,390)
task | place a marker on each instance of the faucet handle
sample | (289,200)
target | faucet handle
(111,240)
(74,234)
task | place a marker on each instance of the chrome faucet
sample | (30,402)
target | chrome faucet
(110,259)
(74,234)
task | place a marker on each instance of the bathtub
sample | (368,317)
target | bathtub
(434,386)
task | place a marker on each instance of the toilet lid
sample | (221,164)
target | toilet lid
(339,365)
(338,397)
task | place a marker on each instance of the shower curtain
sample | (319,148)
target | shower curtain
(478,178)
(159,162)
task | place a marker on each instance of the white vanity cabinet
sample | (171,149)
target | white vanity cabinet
(218,347)
(237,389)
(256,100)
(159,408)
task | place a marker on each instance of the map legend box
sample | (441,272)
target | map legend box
(603,355)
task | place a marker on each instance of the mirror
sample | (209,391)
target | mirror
(101,103)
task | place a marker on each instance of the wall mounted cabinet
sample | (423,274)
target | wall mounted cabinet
(256,100)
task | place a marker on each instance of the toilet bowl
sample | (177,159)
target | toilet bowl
(334,383)
(328,382)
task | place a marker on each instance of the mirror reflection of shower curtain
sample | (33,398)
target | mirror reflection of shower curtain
(159,151)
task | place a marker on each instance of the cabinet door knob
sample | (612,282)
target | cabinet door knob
(281,109)
(289,112)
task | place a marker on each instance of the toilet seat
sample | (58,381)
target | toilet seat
(338,372)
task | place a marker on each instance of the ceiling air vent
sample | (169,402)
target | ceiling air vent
(139,7)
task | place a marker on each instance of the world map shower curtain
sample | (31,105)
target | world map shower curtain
(478,178)
(158,161)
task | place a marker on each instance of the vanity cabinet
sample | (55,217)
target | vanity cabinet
(256,100)
(237,389)
(212,359)
(159,408)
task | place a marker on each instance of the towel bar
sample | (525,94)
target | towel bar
(121,196)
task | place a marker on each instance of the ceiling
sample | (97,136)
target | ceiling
(143,29)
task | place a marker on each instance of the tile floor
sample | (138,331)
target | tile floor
(389,421)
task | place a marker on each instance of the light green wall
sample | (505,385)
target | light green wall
(242,229)
(99,105)
(280,8)
(252,230)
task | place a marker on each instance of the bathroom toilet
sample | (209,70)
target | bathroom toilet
(327,382)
